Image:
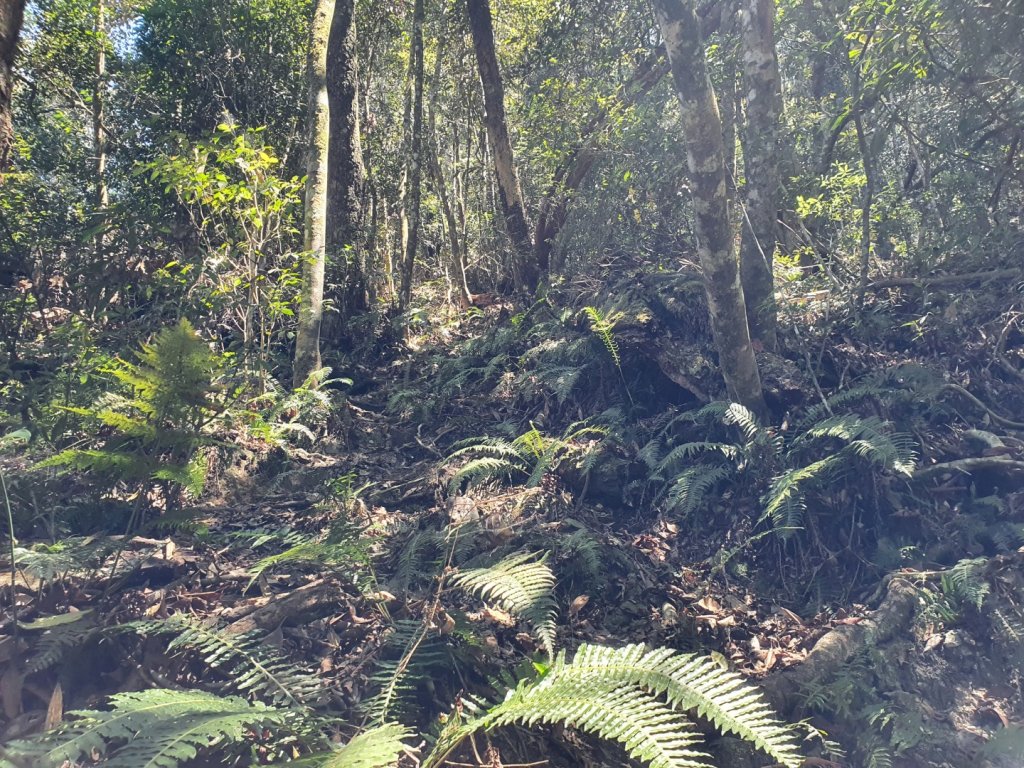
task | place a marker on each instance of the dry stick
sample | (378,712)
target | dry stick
(1001,420)
(966,277)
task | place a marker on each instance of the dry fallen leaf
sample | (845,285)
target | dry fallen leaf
(578,604)
(55,710)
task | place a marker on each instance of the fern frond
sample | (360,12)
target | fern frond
(686,451)
(785,498)
(965,581)
(60,634)
(616,693)
(153,729)
(251,666)
(521,585)
(742,417)
(603,326)
(374,748)
(692,682)
(691,486)
(482,469)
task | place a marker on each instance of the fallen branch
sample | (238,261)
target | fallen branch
(1001,420)
(965,277)
(301,606)
(836,647)
(971,465)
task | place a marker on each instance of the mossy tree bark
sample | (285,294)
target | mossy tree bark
(526,274)
(760,160)
(705,155)
(346,176)
(11,15)
(311,296)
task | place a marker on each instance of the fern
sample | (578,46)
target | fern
(602,327)
(153,729)
(157,430)
(521,585)
(784,503)
(965,582)
(251,666)
(59,635)
(636,695)
(73,556)
(691,487)
(532,454)
(374,748)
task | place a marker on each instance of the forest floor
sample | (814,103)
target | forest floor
(892,663)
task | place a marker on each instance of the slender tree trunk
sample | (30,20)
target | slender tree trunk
(415,157)
(760,158)
(346,174)
(865,209)
(458,261)
(314,263)
(705,155)
(99,129)
(11,14)
(526,274)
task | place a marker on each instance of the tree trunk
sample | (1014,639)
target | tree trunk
(314,263)
(99,129)
(760,159)
(11,13)
(525,272)
(458,260)
(705,155)
(415,157)
(346,174)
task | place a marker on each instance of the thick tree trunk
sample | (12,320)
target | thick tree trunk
(346,174)
(760,158)
(311,296)
(11,14)
(415,158)
(705,155)
(525,272)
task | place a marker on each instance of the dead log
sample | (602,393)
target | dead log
(836,647)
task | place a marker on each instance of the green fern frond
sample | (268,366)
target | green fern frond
(603,327)
(687,451)
(691,486)
(378,747)
(73,556)
(60,634)
(785,498)
(742,417)
(965,581)
(482,469)
(616,693)
(249,664)
(521,585)
(153,729)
